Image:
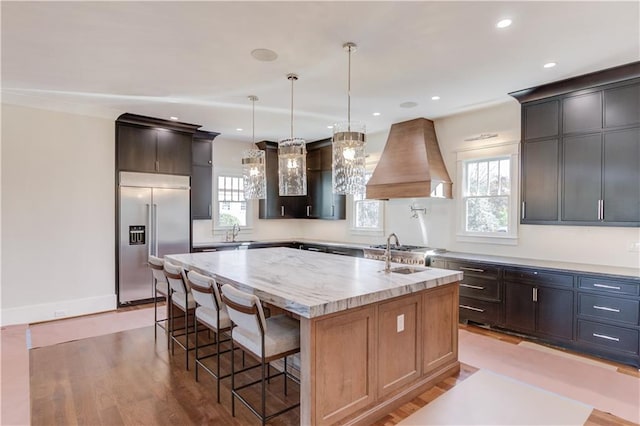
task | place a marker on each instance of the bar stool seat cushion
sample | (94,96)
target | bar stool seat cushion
(210,318)
(282,335)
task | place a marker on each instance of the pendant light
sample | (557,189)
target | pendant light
(348,146)
(292,159)
(253,167)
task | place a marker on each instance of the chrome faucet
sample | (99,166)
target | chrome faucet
(235,231)
(387,253)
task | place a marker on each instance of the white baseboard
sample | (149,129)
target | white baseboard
(57,310)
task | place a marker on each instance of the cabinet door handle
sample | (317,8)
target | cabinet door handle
(308,210)
(157,166)
(281,210)
(344,253)
(604,308)
(333,210)
(475,287)
(522,210)
(604,336)
(209,209)
(471,269)
(313,249)
(471,308)
(208,250)
(535,294)
(612,287)
(600,209)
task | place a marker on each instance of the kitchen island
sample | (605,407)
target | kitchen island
(370,340)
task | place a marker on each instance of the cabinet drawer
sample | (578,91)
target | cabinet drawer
(612,308)
(608,336)
(475,269)
(479,288)
(537,276)
(609,286)
(479,311)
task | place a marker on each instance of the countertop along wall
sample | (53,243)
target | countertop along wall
(58,204)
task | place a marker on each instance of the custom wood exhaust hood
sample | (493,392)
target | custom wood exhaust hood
(411,164)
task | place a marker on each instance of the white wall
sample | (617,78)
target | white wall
(57,214)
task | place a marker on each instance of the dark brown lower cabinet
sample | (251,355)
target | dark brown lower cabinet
(594,313)
(539,309)
(520,309)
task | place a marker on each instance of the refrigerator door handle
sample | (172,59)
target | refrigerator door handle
(155,227)
(148,231)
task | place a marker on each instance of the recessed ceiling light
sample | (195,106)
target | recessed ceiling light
(264,55)
(549,65)
(375,114)
(329,127)
(504,23)
(173,118)
(435,98)
(408,104)
(239,129)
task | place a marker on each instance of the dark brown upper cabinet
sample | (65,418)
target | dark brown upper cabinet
(541,120)
(201,174)
(582,113)
(581,150)
(153,145)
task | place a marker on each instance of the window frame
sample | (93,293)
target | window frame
(507,150)
(217,227)
(356,230)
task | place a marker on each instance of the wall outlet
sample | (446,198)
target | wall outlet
(635,247)
(400,323)
(59,314)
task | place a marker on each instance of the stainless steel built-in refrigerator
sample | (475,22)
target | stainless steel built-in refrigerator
(153,219)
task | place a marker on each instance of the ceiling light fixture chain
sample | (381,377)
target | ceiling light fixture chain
(292,77)
(350,47)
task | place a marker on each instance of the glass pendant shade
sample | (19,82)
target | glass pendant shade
(348,148)
(292,167)
(253,174)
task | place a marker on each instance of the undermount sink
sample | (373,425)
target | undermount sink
(407,269)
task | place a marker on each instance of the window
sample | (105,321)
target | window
(367,214)
(232,207)
(487,186)
(487,196)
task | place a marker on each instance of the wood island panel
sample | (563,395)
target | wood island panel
(440,336)
(399,355)
(345,364)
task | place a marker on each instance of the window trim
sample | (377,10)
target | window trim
(215,219)
(501,150)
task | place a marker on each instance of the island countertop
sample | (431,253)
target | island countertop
(311,284)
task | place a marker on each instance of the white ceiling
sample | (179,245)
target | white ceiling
(192,60)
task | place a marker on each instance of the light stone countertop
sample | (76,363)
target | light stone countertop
(213,244)
(311,284)
(614,271)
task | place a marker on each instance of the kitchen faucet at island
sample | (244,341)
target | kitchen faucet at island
(387,253)
(234,233)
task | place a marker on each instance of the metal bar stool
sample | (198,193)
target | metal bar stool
(211,313)
(264,339)
(181,298)
(160,286)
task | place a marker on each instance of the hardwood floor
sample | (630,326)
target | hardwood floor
(127,378)
(124,378)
